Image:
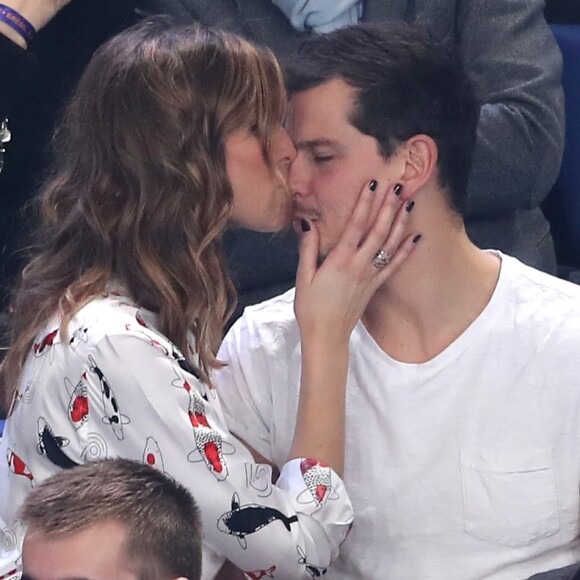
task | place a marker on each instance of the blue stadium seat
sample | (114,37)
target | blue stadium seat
(567,188)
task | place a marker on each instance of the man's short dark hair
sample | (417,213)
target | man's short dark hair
(161,518)
(408,84)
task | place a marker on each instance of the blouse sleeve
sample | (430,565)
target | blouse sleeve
(147,403)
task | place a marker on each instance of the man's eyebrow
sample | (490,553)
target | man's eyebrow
(310,144)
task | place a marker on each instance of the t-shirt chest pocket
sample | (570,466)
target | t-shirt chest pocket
(509,496)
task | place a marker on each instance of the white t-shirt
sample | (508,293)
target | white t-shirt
(119,388)
(466,467)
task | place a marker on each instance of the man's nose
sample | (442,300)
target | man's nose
(299,176)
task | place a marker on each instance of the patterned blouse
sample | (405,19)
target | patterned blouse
(116,387)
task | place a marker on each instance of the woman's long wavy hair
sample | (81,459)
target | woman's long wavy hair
(139,190)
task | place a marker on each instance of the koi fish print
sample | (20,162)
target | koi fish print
(313,571)
(258,574)
(18,467)
(113,415)
(243,520)
(317,476)
(78,406)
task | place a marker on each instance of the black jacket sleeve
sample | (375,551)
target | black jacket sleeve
(17,68)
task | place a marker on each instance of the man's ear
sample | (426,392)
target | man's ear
(420,157)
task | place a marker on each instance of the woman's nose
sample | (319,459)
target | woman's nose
(283,147)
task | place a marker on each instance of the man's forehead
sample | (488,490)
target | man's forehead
(334,95)
(321,116)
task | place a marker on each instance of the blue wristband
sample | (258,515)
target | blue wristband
(17,22)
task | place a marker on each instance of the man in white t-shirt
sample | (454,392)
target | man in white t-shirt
(463,398)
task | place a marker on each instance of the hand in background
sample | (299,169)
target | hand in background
(37,12)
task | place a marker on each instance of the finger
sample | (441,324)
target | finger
(309,248)
(361,220)
(399,228)
(391,200)
(401,253)
(387,231)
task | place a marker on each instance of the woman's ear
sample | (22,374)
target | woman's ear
(420,158)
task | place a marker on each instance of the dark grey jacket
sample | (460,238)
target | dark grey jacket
(567,573)
(515,64)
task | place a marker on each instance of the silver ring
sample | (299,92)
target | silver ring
(381,259)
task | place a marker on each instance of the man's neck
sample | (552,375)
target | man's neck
(436,295)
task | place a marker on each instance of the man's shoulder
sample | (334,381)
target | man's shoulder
(534,284)
(265,338)
(266,326)
(541,301)
(275,311)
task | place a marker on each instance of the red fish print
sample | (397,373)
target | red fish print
(12,575)
(208,441)
(45,343)
(78,407)
(209,444)
(152,454)
(318,479)
(258,574)
(18,467)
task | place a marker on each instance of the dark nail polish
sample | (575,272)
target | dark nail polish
(373,185)
(410,205)
(417,238)
(304,225)
(398,188)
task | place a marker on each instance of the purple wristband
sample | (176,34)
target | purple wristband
(17,22)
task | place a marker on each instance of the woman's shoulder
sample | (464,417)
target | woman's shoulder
(111,315)
(104,315)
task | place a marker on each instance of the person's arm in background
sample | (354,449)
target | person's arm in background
(513,60)
(258,20)
(37,12)
(35,83)
(515,63)
(17,67)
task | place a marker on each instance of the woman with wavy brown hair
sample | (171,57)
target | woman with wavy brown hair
(174,133)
